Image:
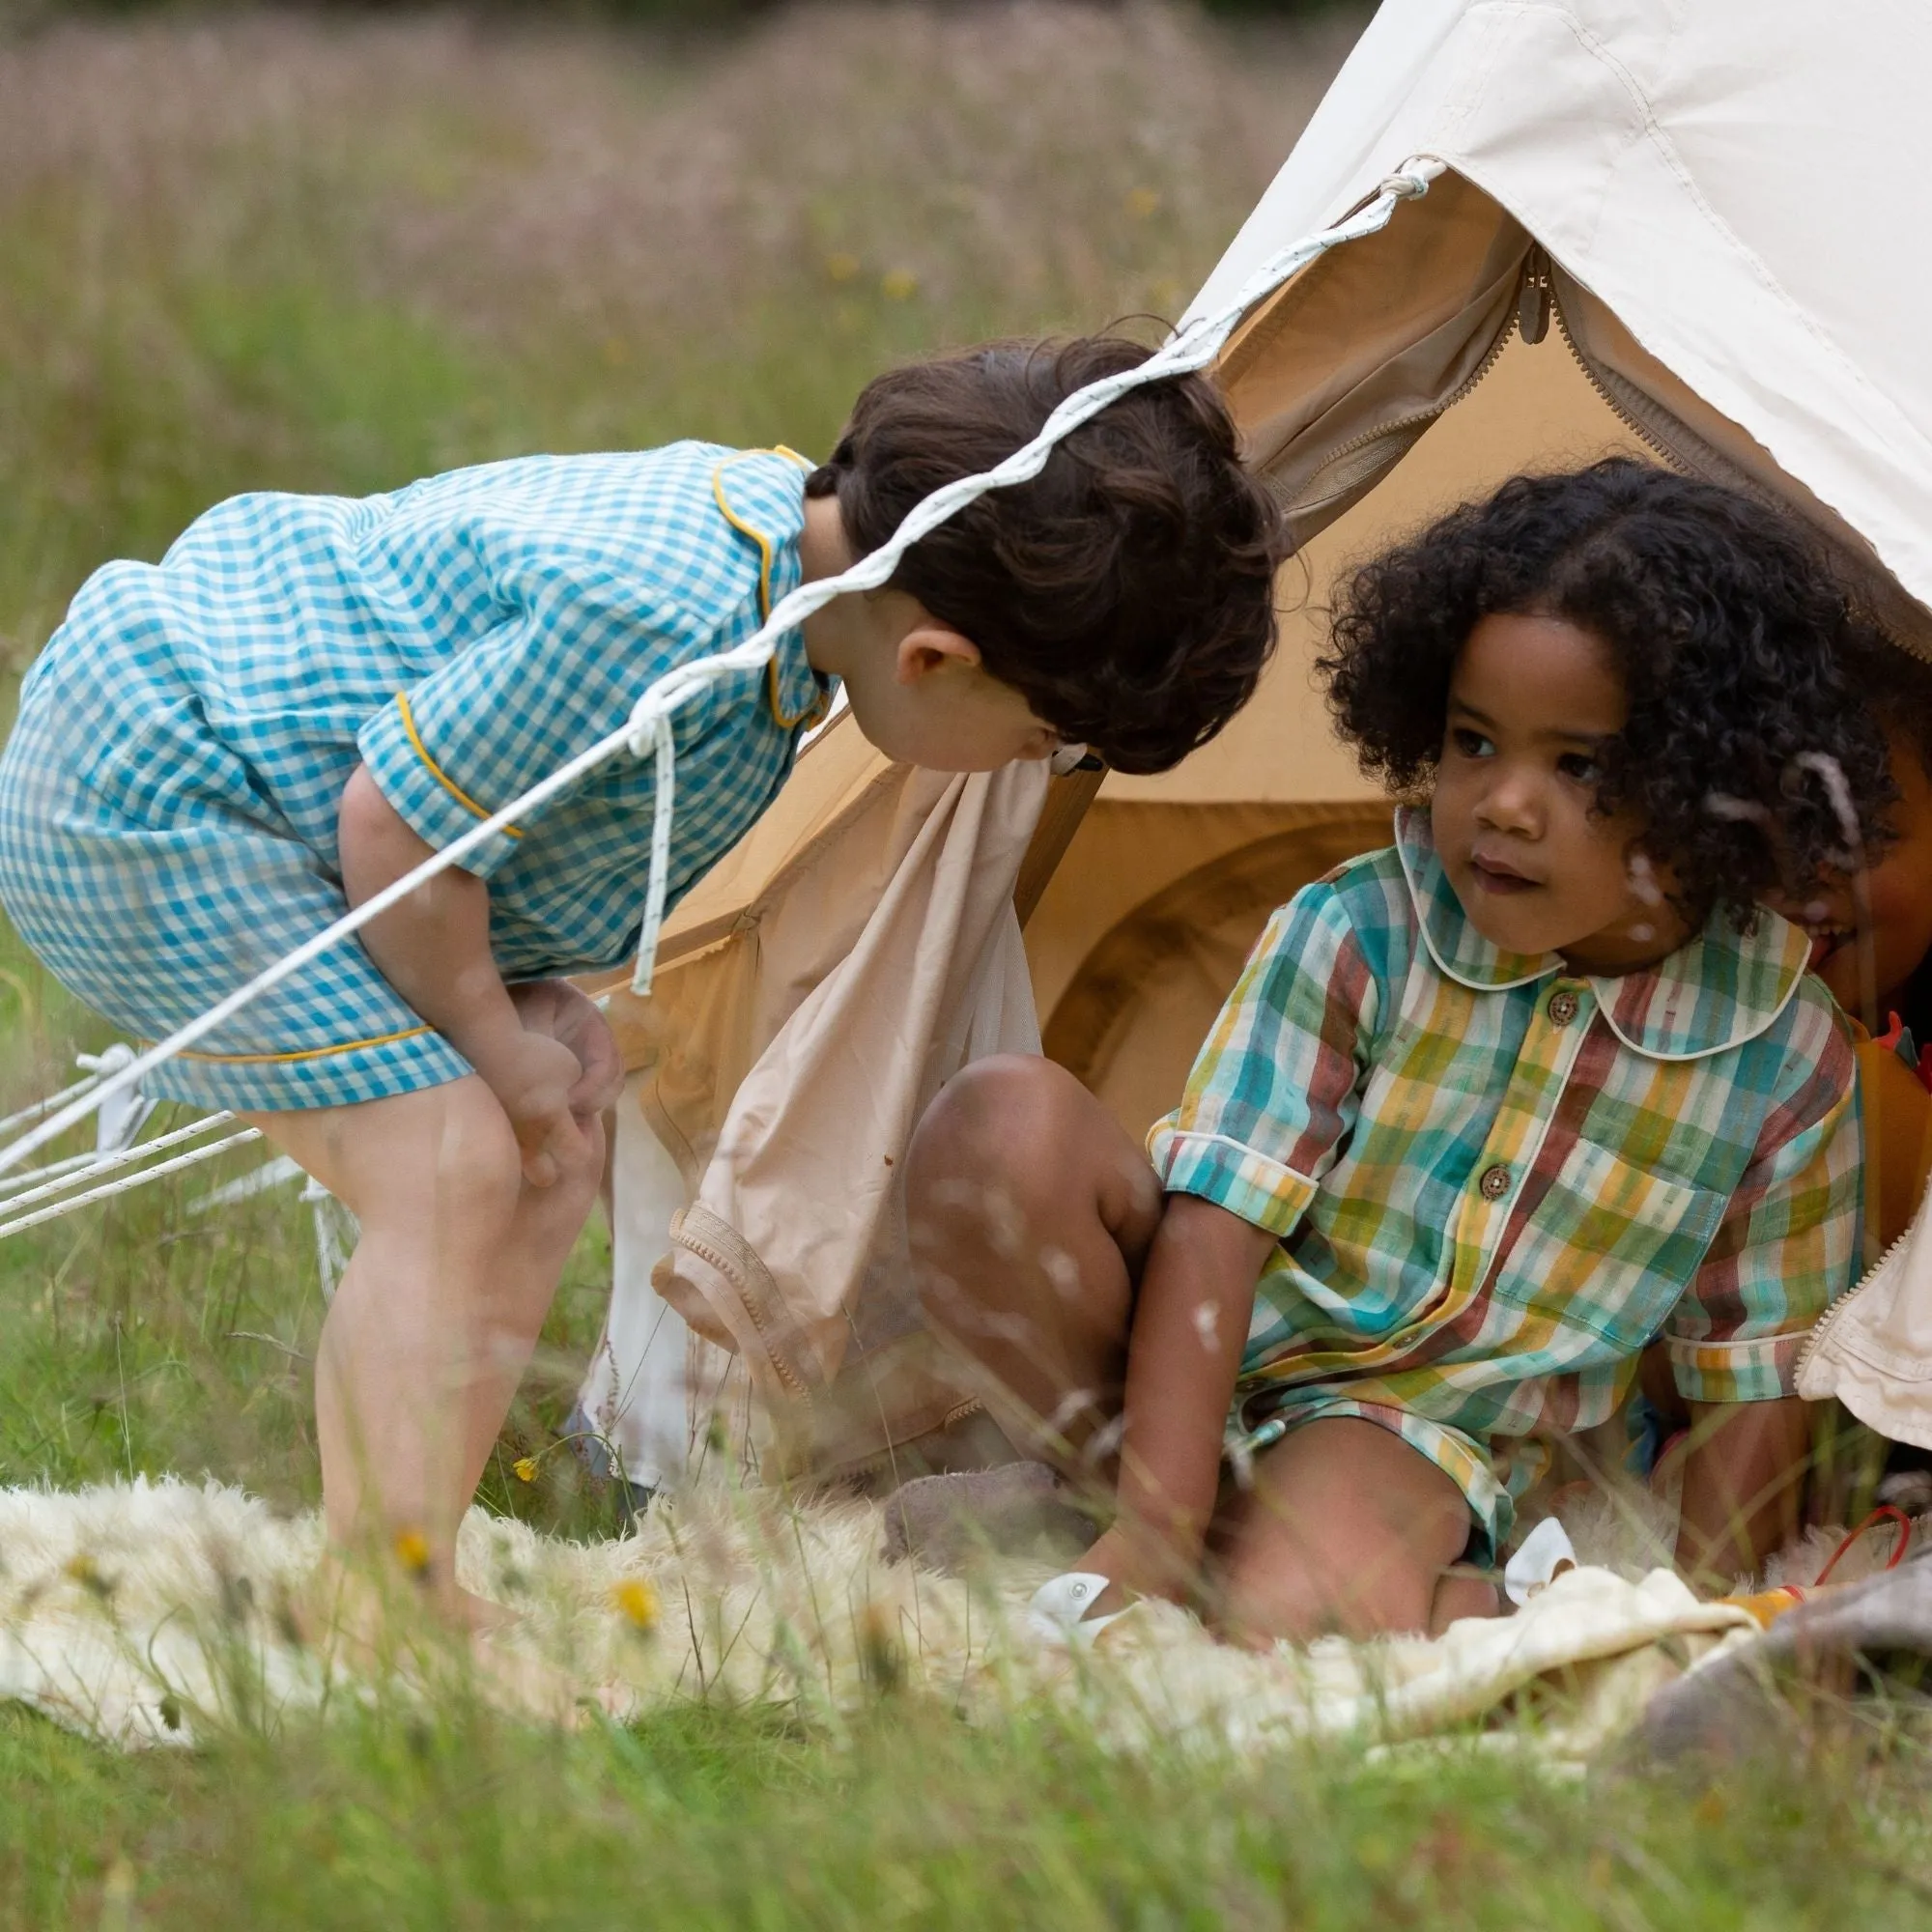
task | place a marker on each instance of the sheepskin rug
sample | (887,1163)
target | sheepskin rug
(152,1612)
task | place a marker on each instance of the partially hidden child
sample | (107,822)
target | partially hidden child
(1871,944)
(1488,1112)
(218,754)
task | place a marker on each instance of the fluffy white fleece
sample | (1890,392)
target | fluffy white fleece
(145,1612)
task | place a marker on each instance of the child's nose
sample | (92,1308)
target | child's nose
(1513,802)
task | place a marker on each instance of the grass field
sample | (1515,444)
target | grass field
(255,251)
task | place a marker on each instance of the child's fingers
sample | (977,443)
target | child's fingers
(602,1077)
(557,1011)
(554,1141)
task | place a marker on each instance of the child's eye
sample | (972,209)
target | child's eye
(1579,766)
(1470,744)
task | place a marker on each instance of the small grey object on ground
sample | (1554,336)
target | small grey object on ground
(1811,1658)
(1018,1509)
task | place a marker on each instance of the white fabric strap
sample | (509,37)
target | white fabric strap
(646,731)
(1057,1616)
(663,754)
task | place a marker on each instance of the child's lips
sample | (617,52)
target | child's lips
(1826,940)
(1493,876)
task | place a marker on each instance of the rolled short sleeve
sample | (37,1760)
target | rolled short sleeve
(1273,1094)
(537,690)
(1788,1245)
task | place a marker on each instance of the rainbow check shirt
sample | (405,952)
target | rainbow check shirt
(1494,1181)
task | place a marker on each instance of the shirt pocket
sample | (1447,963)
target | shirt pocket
(1607,1253)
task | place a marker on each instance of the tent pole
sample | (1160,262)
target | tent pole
(1068,798)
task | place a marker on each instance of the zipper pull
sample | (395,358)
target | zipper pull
(1533,305)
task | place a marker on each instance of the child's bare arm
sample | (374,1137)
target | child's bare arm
(1742,1477)
(1183,1353)
(434,947)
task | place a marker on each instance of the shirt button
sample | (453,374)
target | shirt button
(1562,1008)
(1495,1182)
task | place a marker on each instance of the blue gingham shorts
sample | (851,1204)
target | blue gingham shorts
(150,920)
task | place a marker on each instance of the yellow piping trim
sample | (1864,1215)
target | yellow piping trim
(437,771)
(309,1052)
(821,702)
(766,557)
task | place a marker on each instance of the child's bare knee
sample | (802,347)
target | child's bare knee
(475,1151)
(1009,1119)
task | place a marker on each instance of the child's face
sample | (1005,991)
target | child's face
(1898,894)
(1531,705)
(923,697)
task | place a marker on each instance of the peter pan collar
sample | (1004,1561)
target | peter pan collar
(1718,990)
(760,494)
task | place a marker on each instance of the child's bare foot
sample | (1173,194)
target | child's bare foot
(378,1622)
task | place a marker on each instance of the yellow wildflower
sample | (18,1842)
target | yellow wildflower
(413,1550)
(842,267)
(526,1468)
(898,285)
(82,1569)
(636,1603)
(1143,202)
(881,1655)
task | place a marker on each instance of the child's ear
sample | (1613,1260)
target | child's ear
(932,645)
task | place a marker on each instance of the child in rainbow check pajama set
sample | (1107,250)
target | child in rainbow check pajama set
(217,755)
(1488,1112)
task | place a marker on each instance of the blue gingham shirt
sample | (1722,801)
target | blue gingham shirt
(463,637)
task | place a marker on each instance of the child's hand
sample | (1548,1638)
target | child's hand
(557,1011)
(1135,1566)
(552,1075)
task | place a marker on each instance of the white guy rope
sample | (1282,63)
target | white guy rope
(26,1177)
(650,922)
(192,1158)
(100,1164)
(272,1174)
(46,1106)
(646,732)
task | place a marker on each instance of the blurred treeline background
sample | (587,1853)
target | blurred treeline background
(340,247)
(698,14)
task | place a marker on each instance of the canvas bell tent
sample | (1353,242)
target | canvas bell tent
(1693,232)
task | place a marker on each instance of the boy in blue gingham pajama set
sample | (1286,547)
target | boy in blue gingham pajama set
(177,776)
(217,755)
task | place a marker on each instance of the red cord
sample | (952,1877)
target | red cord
(1885,1513)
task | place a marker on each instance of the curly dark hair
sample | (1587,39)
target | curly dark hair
(1127,590)
(1726,624)
(1897,685)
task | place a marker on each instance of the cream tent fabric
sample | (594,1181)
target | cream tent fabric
(1696,231)
(1739,182)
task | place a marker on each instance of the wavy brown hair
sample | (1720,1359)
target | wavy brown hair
(1127,590)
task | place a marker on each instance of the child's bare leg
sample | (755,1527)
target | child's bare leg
(1030,1212)
(438,1310)
(1346,1529)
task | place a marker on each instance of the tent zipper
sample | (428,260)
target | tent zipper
(1416,418)
(1823,1324)
(1536,304)
(1538,266)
